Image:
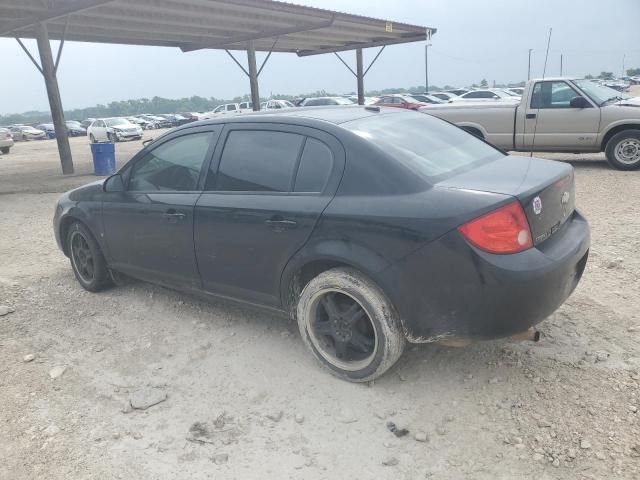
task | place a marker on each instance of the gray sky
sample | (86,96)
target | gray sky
(475,40)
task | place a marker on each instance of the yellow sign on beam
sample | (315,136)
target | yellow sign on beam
(388,27)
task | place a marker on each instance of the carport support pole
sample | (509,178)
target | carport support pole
(360,76)
(253,76)
(55,102)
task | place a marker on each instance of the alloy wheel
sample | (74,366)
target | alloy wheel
(341,330)
(82,257)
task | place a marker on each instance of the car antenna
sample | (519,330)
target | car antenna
(544,72)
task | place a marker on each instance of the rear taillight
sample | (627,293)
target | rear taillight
(505,230)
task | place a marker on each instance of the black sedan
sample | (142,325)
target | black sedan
(372,227)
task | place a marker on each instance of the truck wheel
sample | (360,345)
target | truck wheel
(5,150)
(623,150)
(349,325)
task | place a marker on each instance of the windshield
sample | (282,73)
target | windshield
(114,122)
(599,93)
(427,146)
(343,101)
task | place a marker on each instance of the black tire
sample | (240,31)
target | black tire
(623,150)
(363,338)
(92,139)
(112,138)
(5,150)
(87,262)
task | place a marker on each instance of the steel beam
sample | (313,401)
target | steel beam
(260,35)
(52,14)
(55,103)
(253,76)
(353,46)
(360,76)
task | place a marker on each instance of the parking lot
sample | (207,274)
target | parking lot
(241,398)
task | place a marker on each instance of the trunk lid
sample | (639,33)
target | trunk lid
(545,188)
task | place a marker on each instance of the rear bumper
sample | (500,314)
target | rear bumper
(451,289)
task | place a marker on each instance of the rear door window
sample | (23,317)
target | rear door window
(315,167)
(257,161)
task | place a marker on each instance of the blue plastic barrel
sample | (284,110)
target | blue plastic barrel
(104,158)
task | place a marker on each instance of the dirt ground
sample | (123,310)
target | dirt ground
(240,398)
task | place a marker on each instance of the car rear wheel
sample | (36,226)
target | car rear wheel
(623,150)
(87,261)
(92,139)
(349,325)
(5,150)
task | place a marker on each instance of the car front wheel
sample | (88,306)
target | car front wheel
(92,139)
(623,150)
(5,150)
(349,325)
(87,261)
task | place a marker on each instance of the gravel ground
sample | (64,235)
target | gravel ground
(153,384)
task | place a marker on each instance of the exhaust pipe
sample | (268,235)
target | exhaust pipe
(531,335)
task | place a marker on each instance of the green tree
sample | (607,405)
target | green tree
(588,76)
(606,75)
(633,72)
(484,83)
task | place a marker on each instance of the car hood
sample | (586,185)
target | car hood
(124,127)
(629,102)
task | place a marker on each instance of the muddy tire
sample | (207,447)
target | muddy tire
(349,325)
(623,150)
(87,261)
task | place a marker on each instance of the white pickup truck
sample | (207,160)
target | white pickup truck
(556,115)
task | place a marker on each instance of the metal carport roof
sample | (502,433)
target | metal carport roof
(250,25)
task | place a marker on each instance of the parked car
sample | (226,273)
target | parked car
(400,101)
(86,123)
(6,141)
(226,108)
(458,91)
(486,95)
(444,96)
(276,105)
(367,100)
(191,117)
(23,133)
(557,115)
(75,129)
(246,106)
(518,91)
(47,128)
(114,130)
(426,98)
(324,101)
(142,123)
(372,227)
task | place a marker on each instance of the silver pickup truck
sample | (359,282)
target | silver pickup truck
(557,115)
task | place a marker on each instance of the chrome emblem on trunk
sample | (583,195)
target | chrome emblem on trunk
(537,205)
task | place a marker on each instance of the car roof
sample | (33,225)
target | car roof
(334,114)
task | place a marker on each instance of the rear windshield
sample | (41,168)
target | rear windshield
(427,146)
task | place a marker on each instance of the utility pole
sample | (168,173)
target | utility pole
(529,69)
(560,64)
(623,58)
(426,67)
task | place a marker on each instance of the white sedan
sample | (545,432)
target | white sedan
(113,130)
(487,95)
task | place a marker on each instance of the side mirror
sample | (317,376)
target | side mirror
(113,184)
(579,102)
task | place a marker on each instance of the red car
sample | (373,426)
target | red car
(400,101)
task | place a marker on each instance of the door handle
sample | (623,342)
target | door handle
(173,216)
(531,116)
(278,222)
